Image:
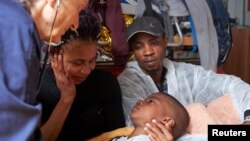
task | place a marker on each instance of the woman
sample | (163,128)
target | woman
(79,101)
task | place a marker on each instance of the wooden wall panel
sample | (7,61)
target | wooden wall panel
(238,61)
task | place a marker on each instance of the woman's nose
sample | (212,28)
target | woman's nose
(86,69)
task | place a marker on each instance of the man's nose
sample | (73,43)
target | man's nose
(147,50)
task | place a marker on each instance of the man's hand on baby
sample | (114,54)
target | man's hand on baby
(246,123)
(159,131)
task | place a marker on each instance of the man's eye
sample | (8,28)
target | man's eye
(156,43)
(137,47)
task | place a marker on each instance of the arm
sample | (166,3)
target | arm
(19,69)
(213,86)
(132,89)
(135,85)
(222,84)
(51,129)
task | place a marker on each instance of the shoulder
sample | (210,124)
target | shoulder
(19,25)
(15,13)
(179,66)
(131,70)
(48,79)
(48,73)
(183,68)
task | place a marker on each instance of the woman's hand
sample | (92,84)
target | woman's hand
(52,127)
(63,79)
(157,131)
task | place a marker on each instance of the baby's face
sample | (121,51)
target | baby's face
(145,110)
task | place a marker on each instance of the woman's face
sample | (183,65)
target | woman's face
(80,57)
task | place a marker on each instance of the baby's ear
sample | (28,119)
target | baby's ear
(168,121)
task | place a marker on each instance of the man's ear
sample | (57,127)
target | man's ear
(168,121)
(165,38)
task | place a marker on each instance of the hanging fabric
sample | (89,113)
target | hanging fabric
(221,21)
(206,33)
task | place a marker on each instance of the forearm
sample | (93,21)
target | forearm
(51,129)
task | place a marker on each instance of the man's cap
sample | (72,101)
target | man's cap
(146,24)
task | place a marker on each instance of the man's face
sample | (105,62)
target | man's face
(149,51)
(67,17)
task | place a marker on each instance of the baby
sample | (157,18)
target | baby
(162,107)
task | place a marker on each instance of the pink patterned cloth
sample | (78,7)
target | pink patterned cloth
(219,111)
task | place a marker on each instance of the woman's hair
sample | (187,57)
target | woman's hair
(88,29)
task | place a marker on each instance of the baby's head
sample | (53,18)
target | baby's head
(164,108)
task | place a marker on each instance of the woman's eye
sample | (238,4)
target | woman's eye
(78,63)
(93,60)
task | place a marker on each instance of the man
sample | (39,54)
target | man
(24,25)
(152,72)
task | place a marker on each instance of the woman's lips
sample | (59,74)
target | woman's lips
(79,79)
